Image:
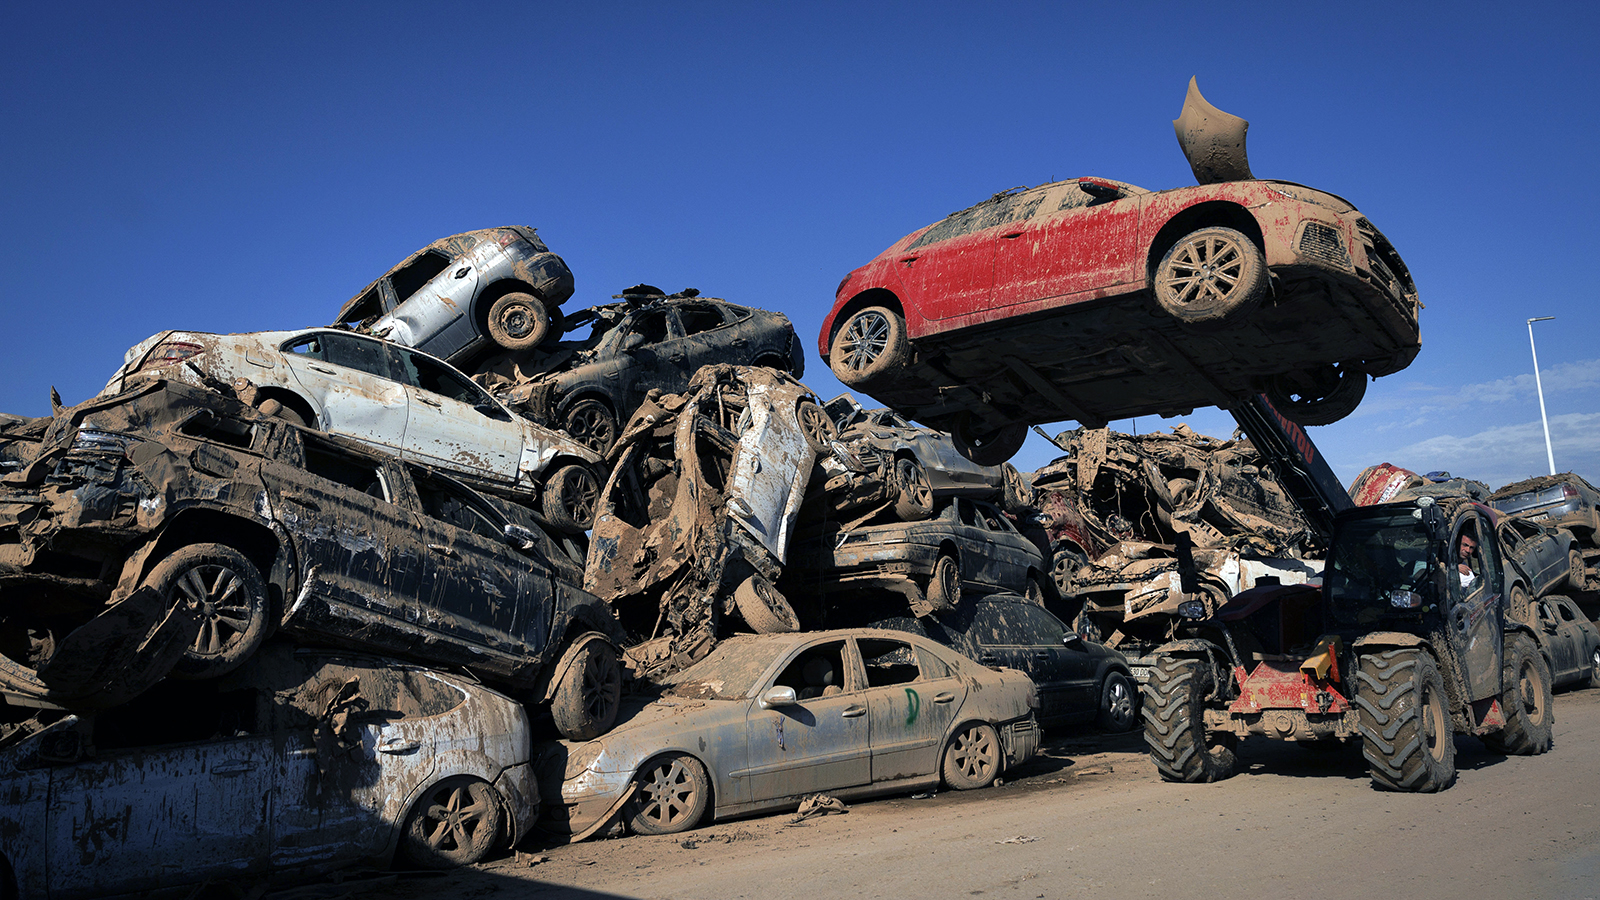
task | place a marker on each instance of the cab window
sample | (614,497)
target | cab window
(455,505)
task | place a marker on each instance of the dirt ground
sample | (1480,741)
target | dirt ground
(1090,817)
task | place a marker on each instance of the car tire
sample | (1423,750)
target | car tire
(987,447)
(815,425)
(1525,686)
(1404,718)
(1016,494)
(944,585)
(1064,565)
(1519,606)
(1119,704)
(232,597)
(870,344)
(591,423)
(973,757)
(672,794)
(518,321)
(914,499)
(454,823)
(1174,723)
(589,693)
(1577,579)
(1594,668)
(763,608)
(1211,278)
(1034,590)
(1319,396)
(569,498)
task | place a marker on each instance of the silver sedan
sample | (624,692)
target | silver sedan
(765,720)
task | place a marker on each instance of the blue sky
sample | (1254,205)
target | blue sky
(230,167)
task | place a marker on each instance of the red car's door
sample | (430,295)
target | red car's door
(948,272)
(1070,245)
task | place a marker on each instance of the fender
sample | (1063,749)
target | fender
(545,688)
(1392,639)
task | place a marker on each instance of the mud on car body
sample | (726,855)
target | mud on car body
(650,342)
(168,529)
(1570,502)
(1112,301)
(386,395)
(298,763)
(767,719)
(458,295)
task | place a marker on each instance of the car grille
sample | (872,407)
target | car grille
(1381,257)
(1322,242)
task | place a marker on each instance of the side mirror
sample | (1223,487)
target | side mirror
(778,696)
(1072,639)
(520,537)
(633,341)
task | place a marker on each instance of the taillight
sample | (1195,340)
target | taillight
(169,353)
(1568,492)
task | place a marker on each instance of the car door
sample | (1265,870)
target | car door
(948,271)
(454,423)
(704,336)
(1562,639)
(349,379)
(1010,554)
(1475,616)
(1535,552)
(1072,244)
(978,565)
(821,743)
(155,817)
(434,295)
(912,696)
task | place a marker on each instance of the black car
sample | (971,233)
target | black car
(1570,640)
(1079,681)
(650,341)
(168,529)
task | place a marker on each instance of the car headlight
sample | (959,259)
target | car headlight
(1403,599)
(581,758)
(1192,609)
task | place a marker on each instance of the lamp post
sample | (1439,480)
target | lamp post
(1539,386)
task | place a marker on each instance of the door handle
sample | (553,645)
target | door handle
(908,260)
(443,550)
(397,746)
(316,368)
(424,398)
(854,711)
(987,659)
(462,272)
(306,502)
(302,753)
(1007,237)
(237,767)
(943,697)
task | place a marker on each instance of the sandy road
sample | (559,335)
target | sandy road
(1092,819)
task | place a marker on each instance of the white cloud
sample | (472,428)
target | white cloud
(1423,402)
(1499,455)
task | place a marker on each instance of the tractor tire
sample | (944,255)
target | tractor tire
(1404,719)
(1174,723)
(1525,697)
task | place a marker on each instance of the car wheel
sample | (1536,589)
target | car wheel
(988,447)
(518,321)
(871,343)
(1034,592)
(569,498)
(915,500)
(672,795)
(454,823)
(972,759)
(589,694)
(274,407)
(592,424)
(1118,707)
(1594,668)
(1318,396)
(1525,686)
(1064,565)
(815,425)
(1016,494)
(1518,606)
(232,598)
(944,585)
(1211,278)
(1577,579)
(763,608)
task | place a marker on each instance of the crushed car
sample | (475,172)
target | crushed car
(1570,640)
(1566,501)
(766,720)
(649,342)
(1127,514)
(299,763)
(386,395)
(167,529)
(1111,301)
(494,288)
(695,520)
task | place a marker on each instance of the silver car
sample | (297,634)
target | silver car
(394,398)
(463,293)
(767,719)
(300,762)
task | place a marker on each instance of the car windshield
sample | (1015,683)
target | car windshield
(1374,556)
(728,673)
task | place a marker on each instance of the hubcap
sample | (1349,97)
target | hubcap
(865,340)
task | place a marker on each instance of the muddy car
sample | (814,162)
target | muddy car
(968,548)
(466,294)
(1111,301)
(1567,501)
(766,720)
(297,764)
(391,397)
(695,521)
(168,529)
(649,342)
(1570,640)
(1118,507)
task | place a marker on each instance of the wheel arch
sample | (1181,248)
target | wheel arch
(493,291)
(1203,651)
(266,549)
(290,399)
(587,392)
(1202,215)
(870,297)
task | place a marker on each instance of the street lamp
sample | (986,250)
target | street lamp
(1539,386)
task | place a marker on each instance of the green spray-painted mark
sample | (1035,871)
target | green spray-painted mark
(913,707)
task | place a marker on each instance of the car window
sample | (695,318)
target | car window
(430,375)
(1035,625)
(888,662)
(988,214)
(361,354)
(652,325)
(1565,610)
(357,473)
(697,318)
(990,626)
(206,425)
(992,519)
(455,505)
(367,306)
(817,672)
(409,278)
(368,694)
(968,513)
(736,313)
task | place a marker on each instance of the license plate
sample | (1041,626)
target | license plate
(1142,673)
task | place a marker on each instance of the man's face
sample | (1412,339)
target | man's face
(1469,546)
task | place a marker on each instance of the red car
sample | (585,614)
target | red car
(1096,300)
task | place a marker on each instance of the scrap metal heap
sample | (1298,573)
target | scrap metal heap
(1123,510)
